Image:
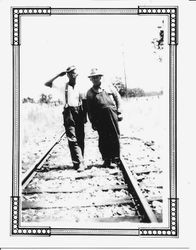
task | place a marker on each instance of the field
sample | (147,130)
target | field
(40,126)
(143,133)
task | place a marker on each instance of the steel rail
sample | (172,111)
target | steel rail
(144,210)
(142,204)
(32,171)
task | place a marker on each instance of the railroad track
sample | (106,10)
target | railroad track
(53,191)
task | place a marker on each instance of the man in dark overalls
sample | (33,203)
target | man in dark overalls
(74,115)
(104,114)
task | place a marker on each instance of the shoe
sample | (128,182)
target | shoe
(117,161)
(80,167)
(106,163)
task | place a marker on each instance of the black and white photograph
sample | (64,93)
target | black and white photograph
(94,104)
(97,139)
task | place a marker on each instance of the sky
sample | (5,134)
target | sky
(118,45)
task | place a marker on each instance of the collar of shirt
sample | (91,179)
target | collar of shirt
(105,87)
(99,90)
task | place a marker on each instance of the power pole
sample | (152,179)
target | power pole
(124,69)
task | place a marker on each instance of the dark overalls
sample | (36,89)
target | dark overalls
(106,122)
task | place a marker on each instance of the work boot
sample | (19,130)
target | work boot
(106,163)
(117,161)
(80,167)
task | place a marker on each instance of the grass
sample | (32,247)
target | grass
(39,121)
(40,125)
(145,118)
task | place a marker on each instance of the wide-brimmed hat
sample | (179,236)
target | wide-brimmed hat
(70,68)
(95,72)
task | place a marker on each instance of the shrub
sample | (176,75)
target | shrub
(45,99)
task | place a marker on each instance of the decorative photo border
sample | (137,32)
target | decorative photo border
(171,12)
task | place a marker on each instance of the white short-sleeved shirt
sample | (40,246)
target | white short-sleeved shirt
(74,96)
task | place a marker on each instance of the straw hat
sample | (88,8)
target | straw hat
(95,72)
(70,68)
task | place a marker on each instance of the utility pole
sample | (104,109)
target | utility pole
(124,69)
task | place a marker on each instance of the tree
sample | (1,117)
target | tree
(127,92)
(45,98)
(28,100)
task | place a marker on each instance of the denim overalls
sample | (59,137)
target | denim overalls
(107,125)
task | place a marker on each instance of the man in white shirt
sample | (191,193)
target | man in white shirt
(74,115)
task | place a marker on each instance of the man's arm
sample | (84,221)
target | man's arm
(91,111)
(85,109)
(50,82)
(117,99)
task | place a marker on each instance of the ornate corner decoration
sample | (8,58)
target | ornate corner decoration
(16,229)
